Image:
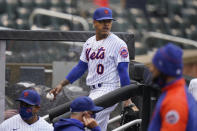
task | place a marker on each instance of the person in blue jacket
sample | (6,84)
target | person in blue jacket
(176,109)
(83,112)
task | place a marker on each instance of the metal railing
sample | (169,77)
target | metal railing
(114,119)
(127,125)
(65,16)
(161,36)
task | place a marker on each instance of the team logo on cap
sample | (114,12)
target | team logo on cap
(26,94)
(172,117)
(124,52)
(106,11)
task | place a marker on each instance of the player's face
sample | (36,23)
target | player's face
(103,28)
(35,109)
(155,72)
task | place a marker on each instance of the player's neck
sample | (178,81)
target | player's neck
(101,37)
(32,120)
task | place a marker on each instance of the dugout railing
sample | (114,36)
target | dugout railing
(161,36)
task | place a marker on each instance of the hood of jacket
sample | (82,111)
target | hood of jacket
(68,123)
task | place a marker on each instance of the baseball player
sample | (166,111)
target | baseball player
(106,58)
(176,109)
(83,112)
(27,119)
(193,88)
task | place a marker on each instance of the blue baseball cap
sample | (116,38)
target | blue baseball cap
(103,13)
(168,60)
(30,97)
(84,103)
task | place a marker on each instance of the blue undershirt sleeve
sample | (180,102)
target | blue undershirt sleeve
(77,71)
(123,73)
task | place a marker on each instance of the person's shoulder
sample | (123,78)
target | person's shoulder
(44,125)
(72,128)
(90,39)
(8,122)
(171,98)
(116,39)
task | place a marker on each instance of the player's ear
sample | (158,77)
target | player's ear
(37,108)
(94,23)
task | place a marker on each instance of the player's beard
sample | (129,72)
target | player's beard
(105,35)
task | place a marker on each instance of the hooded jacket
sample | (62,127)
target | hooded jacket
(175,109)
(71,125)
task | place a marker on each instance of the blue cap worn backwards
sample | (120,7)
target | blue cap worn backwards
(168,60)
(30,97)
(103,13)
(84,103)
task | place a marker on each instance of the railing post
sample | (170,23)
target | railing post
(2,79)
(145,109)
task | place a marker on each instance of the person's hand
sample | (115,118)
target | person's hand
(55,91)
(9,113)
(128,103)
(89,122)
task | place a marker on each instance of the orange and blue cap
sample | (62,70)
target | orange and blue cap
(103,13)
(84,103)
(30,97)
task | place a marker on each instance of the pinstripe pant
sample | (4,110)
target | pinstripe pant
(103,117)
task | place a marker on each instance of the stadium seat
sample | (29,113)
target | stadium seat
(41,3)
(120,24)
(191,32)
(175,7)
(23,13)
(176,32)
(2,6)
(22,24)
(28,4)
(190,14)
(11,8)
(155,23)
(141,24)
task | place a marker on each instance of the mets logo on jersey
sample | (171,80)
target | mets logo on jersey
(123,52)
(100,54)
(172,117)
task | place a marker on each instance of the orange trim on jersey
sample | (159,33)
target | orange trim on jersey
(175,102)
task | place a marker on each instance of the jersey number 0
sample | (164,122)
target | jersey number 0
(100,69)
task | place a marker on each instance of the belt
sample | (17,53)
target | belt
(96,86)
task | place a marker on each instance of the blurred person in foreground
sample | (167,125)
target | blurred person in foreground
(176,109)
(82,115)
(27,119)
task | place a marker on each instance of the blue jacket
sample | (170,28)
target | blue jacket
(71,125)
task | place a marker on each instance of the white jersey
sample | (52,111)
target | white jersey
(15,123)
(193,88)
(103,57)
